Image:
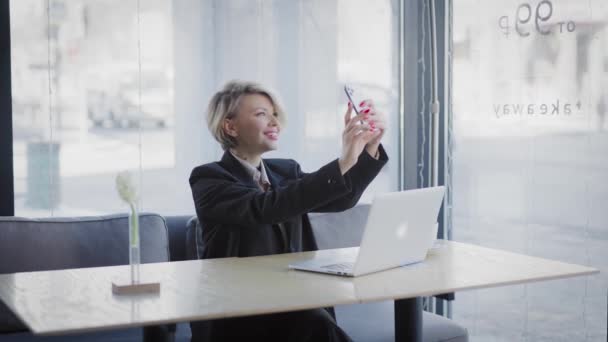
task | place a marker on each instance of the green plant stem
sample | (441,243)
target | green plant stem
(134,226)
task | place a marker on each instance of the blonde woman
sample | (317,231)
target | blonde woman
(251,206)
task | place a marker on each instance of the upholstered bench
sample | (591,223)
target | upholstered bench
(61,243)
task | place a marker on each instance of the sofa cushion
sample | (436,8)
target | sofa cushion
(194,239)
(60,243)
(178,226)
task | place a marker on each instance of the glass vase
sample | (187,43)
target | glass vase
(134,252)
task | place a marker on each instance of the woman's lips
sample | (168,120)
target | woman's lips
(272,135)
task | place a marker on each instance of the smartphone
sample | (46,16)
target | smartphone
(350,93)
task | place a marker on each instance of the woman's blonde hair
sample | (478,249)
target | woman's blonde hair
(224,105)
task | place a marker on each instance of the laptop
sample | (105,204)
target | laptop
(401,227)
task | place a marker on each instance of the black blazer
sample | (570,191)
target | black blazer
(239,219)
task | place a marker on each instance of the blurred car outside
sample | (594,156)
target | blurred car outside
(113,97)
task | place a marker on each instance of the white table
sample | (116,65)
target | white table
(81,300)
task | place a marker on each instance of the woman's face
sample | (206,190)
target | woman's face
(255,126)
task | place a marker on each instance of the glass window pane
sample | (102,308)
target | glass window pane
(529,159)
(104,86)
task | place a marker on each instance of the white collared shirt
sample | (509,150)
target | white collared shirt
(259,176)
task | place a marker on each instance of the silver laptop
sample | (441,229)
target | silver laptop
(401,227)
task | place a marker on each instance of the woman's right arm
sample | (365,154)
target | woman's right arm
(218,196)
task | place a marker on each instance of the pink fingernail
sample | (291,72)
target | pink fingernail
(366,111)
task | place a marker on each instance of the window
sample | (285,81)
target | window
(103,86)
(530,144)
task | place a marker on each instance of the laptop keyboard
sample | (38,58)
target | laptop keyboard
(340,267)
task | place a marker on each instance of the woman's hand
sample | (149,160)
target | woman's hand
(358,133)
(377,122)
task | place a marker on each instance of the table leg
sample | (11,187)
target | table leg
(408,320)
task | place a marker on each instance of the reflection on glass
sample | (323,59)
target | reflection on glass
(529,144)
